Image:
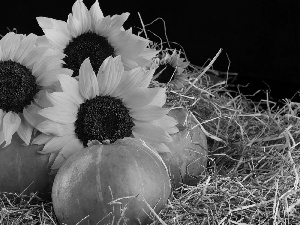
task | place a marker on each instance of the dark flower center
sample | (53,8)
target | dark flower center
(91,45)
(17,86)
(167,73)
(103,118)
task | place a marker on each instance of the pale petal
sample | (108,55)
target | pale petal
(57,38)
(56,31)
(52,128)
(15,43)
(147,78)
(11,46)
(81,13)
(41,139)
(11,123)
(60,99)
(172,130)
(148,113)
(160,99)
(66,152)
(74,26)
(4,42)
(25,130)
(88,84)
(2,139)
(59,115)
(1,54)
(119,20)
(31,114)
(69,86)
(166,121)
(43,41)
(109,75)
(49,77)
(2,114)
(96,12)
(26,45)
(49,61)
(57,143)
(140,97)
(49,23)
(150,132)
(34,56)
(41,99)
(130,81)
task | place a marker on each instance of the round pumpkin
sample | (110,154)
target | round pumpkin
(22,169)
(110,184)
(188,157)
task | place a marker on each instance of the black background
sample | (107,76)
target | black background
(261,38)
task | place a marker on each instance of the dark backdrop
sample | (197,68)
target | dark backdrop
(261,38)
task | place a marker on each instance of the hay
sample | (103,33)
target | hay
(254,158)
(253,172)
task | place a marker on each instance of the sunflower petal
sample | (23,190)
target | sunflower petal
(88,84)
(36,53)
(57,38)
(41,139)
(166,121)
(57,143)
(141,97)
(25,130)
(82,14)
(31,114)
(11,123)
(119,20)
(2,114)
(49,127)
(26,46)
(69,86)
(49,23)
(109,75)
(59,114)
(73,26)
(2,139)
(149,132)
(4,43)
(62,100)
(148,113)
(96,12)
(49,77)
(68,150)
(160,99)
(130,81)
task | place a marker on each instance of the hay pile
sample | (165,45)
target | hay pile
(253,171)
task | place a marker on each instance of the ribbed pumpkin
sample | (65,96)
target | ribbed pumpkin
(188,157)
(22,169)
(110,184)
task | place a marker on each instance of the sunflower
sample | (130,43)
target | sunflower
(113,105)
(171,69)
(26,72)
(88,34)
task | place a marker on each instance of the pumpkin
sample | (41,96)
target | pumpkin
(110,184)
(188,150)
(22,169)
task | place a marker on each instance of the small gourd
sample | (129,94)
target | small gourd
(22,168)
(187,158)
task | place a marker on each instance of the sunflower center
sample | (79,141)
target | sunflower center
(91,45)
(167,73)
(103,118)
(17,86)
